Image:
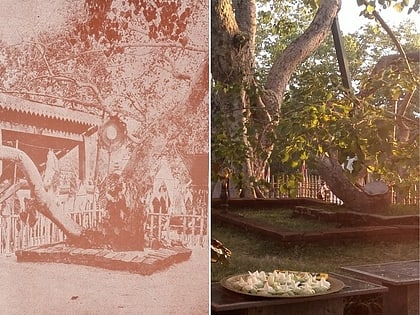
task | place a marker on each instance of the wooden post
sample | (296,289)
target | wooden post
(193,231)
(276,187)
(201,226)
(1,234)
(8,233)
(1,143)
(341,56)
(151,226)
(184,227)
(160,224)
(82,160)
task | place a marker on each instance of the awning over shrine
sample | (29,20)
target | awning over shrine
(19,105)
(36,128)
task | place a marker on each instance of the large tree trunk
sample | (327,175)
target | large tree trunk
(138,175)
(353,196)
(47,204)
(232,61)
(255,111)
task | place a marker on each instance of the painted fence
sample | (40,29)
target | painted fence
(187,225)
(15,234)
(311,185)
(187,229)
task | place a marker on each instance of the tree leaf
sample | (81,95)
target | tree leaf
(285,158)
(304,156)
(398,7)
(370,8)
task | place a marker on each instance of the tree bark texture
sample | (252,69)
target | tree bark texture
(302,47)
(255,111)
(232,63)
(352,196)
(47,202)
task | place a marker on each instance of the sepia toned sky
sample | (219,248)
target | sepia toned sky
(22,19)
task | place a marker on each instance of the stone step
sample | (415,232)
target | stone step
(142,262)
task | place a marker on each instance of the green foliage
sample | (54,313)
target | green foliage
(319,116)
(397,5)
(339,126)
(230,148)
(279,23)
(227,146)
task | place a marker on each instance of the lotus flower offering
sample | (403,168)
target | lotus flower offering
(281,283)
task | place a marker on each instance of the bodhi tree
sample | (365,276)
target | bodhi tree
(364,127)
(139,64)
(252,108)
(253,99)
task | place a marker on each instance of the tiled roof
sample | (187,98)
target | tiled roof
(20,105)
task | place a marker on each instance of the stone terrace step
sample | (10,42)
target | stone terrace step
(142,262)
(352,218)
(382,233)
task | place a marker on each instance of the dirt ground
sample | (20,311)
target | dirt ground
(50,288)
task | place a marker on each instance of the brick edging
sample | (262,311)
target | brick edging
(140,262)
(383,233)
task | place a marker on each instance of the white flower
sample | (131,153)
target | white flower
(269,289)
(281,277)
(271,279)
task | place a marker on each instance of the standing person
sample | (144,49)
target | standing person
(116,205)
(165,202)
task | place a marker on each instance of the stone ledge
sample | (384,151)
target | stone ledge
(268,202)
(142,262)
(352,218)
(382,233)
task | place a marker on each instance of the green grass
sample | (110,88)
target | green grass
(394,210)
(282,218)
(251,252)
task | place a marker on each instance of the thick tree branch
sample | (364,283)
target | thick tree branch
(57,97)
(246,17)
(384,63)
(394,40)
(232,48)
(302,47)
(166,45)
(175,73)
(199,86)
(353,196)
(81,85)
(48,205)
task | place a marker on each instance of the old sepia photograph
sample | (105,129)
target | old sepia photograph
(104,157)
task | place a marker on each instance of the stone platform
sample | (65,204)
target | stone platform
(385,232)
(141,262)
